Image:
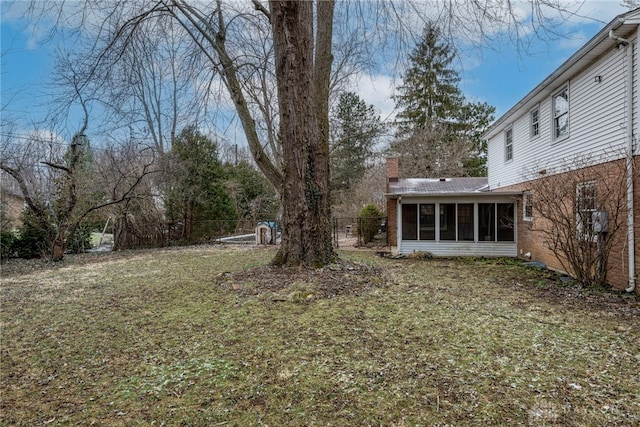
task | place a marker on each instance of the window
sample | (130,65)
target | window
(535,122)
(505,226)
(428,221)
(496,222)
(487,222)
(561,113)
(458,222)
(508,145)
(465,222)
(527,206)
(448,221)
(410,221)
(585,207)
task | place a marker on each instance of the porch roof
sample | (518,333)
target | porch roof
(440,187)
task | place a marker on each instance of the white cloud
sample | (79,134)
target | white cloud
(378,90)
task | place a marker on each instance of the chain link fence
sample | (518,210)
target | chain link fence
(359,232)
(131,234)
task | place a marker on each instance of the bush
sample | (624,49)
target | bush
(32,241)
(80,241)
(7,243)
(370,220)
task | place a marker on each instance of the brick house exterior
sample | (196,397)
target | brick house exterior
(579,125)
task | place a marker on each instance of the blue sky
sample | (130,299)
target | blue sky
(500,77)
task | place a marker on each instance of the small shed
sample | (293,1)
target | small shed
(267,233)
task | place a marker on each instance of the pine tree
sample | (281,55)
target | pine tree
(439,131)
(429,94)
(356,128)
(198,197)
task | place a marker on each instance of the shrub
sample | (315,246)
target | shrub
(80,241)
(32,241)
(7,243)
(370,220)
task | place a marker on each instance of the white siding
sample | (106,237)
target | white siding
(597,114)
(486,249)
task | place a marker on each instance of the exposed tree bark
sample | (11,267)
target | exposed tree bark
(303,86)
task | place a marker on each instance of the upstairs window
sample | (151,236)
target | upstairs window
(535,122)
(561,113)
(508,145)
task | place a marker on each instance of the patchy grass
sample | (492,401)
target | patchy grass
(210,336)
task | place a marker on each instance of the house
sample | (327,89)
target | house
(578,126)
(449,216)
(12,202)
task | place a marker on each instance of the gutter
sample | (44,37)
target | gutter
(628,60)
(466,194)
(566,66)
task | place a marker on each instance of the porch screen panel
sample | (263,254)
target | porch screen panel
(410,221)
(447,221)
(465,222)
(428,221)
(505,222)
(487,222)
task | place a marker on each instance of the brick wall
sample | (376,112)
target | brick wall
(533,242)
(393,167)
(392,221)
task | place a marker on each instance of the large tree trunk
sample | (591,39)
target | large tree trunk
(58,245)
(303,103)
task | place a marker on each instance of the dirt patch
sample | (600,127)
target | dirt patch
(570,294)
(301,283)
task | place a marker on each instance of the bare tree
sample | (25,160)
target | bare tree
(578,211)
(59,188)
(295,36)
(432,152)
(369,190)
(126,174)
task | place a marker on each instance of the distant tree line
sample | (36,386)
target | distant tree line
(161,178)
(185,195)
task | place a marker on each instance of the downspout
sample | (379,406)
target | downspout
(630,201)
(399,224)
(628,55)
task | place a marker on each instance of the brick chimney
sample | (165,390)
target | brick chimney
(392,170)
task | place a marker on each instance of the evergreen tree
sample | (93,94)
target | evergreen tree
(198,197)
(439,131)
(254,196)
(356,128)
(429,94)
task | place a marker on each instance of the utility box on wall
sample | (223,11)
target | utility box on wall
(600,221)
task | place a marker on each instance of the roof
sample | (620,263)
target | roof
(622,26)
(438,186)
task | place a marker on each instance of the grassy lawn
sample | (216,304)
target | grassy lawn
(206,336)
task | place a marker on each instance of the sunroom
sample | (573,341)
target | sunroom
(452,217)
